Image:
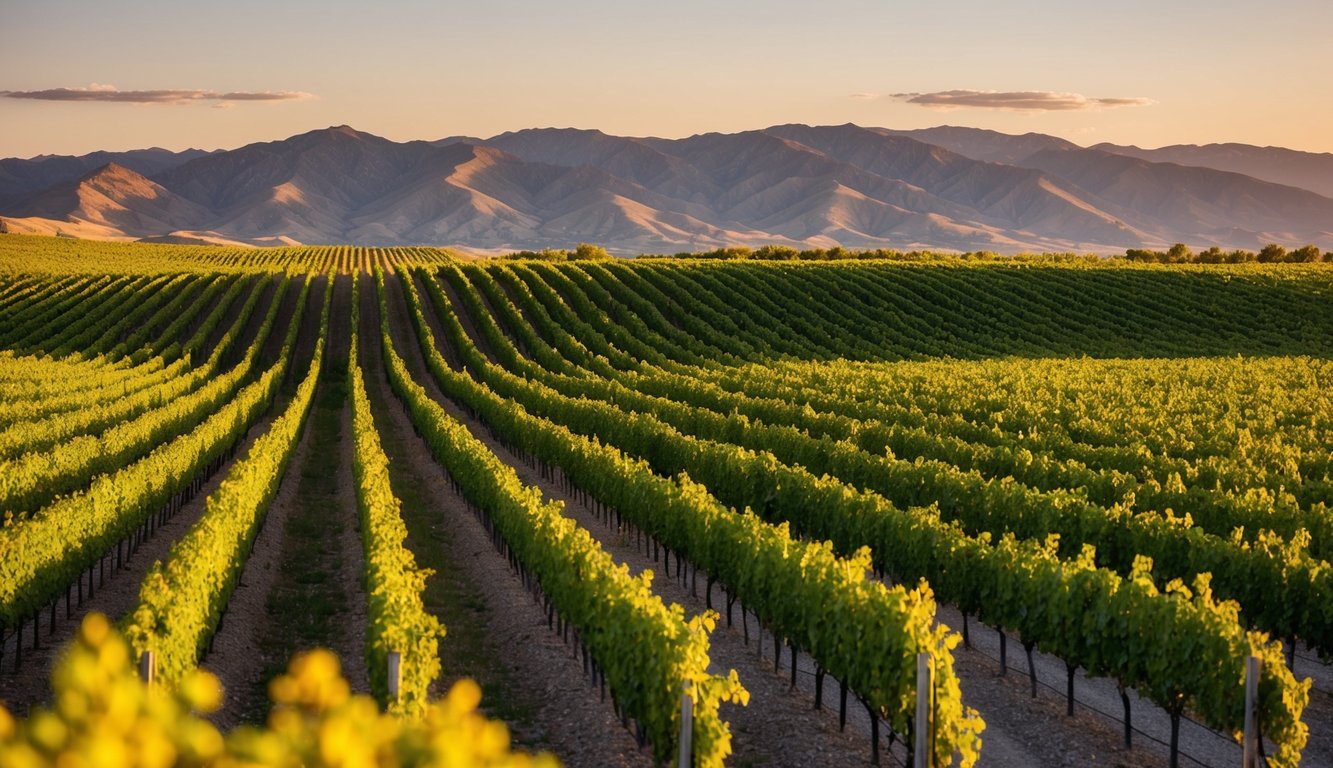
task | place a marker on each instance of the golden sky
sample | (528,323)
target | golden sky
(79,75)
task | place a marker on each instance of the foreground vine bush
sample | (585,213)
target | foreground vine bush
(103,715)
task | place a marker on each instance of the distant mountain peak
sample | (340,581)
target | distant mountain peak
(554,131)
(116,178)
(347,131)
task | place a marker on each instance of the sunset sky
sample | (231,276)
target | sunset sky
(80,75)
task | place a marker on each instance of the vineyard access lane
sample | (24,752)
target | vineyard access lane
(243,654)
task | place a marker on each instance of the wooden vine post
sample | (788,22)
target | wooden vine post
(1250,756)
(923,729)
(686,726)
(147,667)
(395,675)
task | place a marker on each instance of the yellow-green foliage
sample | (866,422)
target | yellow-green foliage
(398,618)
(31,254)
(102,715)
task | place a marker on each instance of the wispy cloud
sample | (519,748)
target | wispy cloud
(105,93)
(1020,101)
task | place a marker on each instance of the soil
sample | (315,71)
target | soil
(308,551)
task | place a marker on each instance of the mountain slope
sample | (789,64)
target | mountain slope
(1307,170)
(1195,205)
(1004,195)
(21,179)
(115,197)
(981,144)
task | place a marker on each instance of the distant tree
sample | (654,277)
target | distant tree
(545,254)
(737,252)
(1178,253)
(775,253)
(884,253)
(1306,254)
(1139,254)
(1272,254)
(586,251)
(1213,255)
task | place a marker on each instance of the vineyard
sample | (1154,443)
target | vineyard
(1069,501)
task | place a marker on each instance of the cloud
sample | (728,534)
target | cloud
(97,92)
(1022,101)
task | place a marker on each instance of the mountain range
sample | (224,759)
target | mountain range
(945,187)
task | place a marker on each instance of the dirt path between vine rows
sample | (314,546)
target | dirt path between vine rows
(300,586)
(496,632)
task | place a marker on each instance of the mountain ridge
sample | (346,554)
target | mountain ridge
(792,184)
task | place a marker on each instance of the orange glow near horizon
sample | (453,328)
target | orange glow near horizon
(1136,74)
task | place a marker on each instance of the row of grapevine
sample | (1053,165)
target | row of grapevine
(35,479)
(1094,509)
(102,714)
(646,651)
(102,384)
(52,311)
(47,552)
(22,256)
(1252,571)
(95,417)
(916,544)
(157,332)
(1260,424)
(182,600)
(96,340)
(87,328)
(858,630)
(399,621)
(1217,510)
(45,379)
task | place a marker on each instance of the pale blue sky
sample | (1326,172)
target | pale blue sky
(1214,71)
